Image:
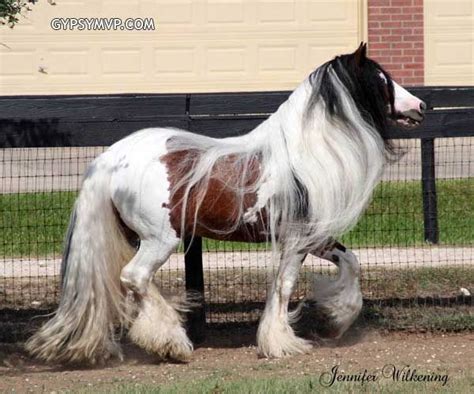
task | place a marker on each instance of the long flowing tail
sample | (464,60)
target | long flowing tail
(96,249)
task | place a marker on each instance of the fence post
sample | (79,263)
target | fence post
(428,182)
(194,275)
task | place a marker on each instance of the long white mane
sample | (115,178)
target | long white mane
(317,171)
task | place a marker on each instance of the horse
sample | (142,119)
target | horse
(298,181)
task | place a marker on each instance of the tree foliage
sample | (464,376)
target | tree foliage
(10,10)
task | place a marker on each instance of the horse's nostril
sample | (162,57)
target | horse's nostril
(422,106)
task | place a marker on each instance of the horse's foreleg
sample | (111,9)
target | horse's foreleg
(336,303)
(158,326)
(275,336)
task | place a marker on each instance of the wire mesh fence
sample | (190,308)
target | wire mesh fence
(38,187)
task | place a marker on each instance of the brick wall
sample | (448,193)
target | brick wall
(396,38)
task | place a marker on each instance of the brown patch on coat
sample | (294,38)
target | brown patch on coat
(219,208)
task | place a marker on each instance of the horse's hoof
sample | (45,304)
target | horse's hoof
(288,347)
(181,351)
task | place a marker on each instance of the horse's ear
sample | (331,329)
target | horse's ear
(360,54)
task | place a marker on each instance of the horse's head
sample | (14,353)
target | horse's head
(379,100)
(401,107)
(408,110)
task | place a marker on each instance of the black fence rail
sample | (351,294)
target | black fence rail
(101,120)
(32,126)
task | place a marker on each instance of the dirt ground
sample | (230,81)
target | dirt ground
(233,356)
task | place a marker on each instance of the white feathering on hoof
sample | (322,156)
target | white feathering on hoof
(158,327)
(277,339)
(338,301)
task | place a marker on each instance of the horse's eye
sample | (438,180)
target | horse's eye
(383,78)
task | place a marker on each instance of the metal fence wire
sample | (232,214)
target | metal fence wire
(38,187)
(415,242)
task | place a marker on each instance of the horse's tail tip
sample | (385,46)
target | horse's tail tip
(75,357)
(55,349)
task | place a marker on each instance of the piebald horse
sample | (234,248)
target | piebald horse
(298,180)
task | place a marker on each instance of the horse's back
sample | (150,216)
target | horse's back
(143,143)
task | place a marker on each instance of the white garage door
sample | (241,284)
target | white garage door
(197,46)
(449,42)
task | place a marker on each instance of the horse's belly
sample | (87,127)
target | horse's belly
(219,214)
(245,232)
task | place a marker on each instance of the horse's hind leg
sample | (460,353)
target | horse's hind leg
(335,304)
(275,336)
(158,326)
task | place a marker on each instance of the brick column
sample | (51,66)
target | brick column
(396,38)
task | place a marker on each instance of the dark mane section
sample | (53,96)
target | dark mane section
(370,93)
(373,96)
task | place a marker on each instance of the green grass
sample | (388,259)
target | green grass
(395,216)
(300,385)
(439,319)
(416,282)
(33,224)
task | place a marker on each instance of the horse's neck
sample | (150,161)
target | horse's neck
(300,142)
(285,120)
(339,163)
